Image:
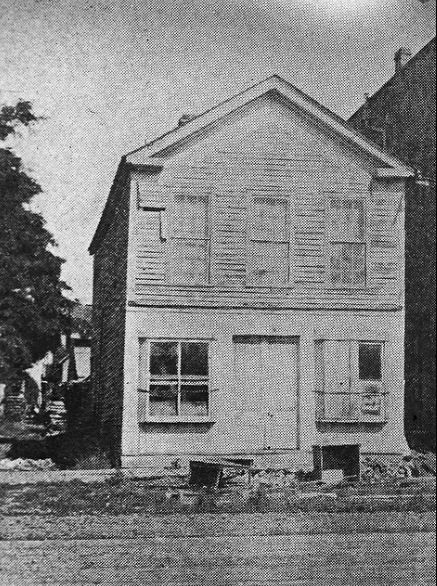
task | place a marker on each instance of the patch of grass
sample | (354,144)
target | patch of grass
(120,495)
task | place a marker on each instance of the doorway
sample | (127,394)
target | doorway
(266,388)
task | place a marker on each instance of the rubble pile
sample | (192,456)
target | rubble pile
(27,464)
(414,465)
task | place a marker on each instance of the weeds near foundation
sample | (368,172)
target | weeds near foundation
(119,495)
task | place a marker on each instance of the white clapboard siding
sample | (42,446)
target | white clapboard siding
(151,249)
(384,238)
(293,161)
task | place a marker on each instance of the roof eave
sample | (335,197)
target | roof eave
(292,95)
(105,220)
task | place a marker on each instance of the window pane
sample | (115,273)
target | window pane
(269,264)
(163,400)
(348,264)
(269,219)
(370,361)
(163,359)
(194,358)
(190,261)
(194,400)
(347,219)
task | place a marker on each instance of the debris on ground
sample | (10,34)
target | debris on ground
(413,465)
(27,464)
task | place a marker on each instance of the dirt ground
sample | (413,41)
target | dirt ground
(125,532)
(379,559)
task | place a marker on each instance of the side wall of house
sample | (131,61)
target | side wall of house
(109,317)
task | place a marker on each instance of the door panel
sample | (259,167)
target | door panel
(266,391)
(247,425)
(280,391)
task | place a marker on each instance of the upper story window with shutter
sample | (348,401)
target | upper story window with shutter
(347,242)
(190,239)
(269,242)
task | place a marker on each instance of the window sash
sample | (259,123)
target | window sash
(347,260)
(190,217)
(269,223)
(347,219)
(348,264)
(269,264)
(178,381)
(269,242)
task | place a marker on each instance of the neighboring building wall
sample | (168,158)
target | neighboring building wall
(109,310)
(403,115)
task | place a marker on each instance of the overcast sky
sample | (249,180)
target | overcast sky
(109,74)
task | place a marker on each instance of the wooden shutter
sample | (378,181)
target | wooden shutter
(151,246)
(338,403)
(143,381)
(385,231)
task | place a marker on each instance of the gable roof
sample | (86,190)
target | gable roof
(147,156)
(288,93)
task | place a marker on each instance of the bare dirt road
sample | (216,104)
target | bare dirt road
(375,559)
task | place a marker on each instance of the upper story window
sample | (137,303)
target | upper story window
(347,242)
(269,254)
(190,239)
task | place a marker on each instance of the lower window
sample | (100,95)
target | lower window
(175,377)
(350,381)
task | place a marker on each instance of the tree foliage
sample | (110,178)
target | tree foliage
(33,308)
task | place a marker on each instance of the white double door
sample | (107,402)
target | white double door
(266,389)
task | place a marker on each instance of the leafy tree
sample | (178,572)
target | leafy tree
(33,308)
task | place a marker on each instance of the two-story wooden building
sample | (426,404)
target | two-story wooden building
(249,289)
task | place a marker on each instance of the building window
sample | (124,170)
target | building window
(269,255)
(350,381)
(176,378)
(347,242)
(190,239)
(370,361)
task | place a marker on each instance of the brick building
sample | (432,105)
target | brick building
(401,117)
